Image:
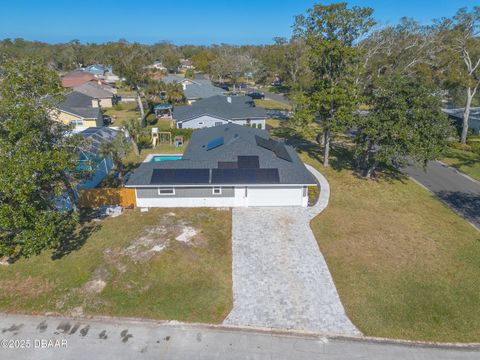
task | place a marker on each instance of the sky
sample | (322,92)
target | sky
(186,21)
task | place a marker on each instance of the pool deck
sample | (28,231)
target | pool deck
(151,156)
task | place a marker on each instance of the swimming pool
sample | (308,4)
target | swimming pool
(158,158)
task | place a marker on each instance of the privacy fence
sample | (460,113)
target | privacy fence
(93,198)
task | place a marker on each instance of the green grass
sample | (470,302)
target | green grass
(272,104)
(184,282)
(464,161)
(405,265)
(122,112)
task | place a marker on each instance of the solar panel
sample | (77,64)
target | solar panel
(180,176)
(265,143)
(215,143)
(245,176)
(282,152)
(227,165)
(248,162)
(277,147)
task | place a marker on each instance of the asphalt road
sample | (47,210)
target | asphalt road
(60,338)
(460,193)
(272,96)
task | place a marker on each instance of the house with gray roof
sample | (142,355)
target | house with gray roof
(219,110)
(103,97)
(194,89)
(473,120)
(77,109)
(225,166)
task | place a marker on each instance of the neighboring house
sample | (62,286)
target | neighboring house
(225,166)
(194,89)
(77,110)
(186,64)
(157,65)
(90,158)
(102,97)
(219,110)
(76,78)
(473,120)
(98,70)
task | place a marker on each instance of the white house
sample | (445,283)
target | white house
(220,110)
(225,166)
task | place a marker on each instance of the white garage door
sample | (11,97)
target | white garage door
(274,196)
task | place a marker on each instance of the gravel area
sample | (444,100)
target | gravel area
(280,278)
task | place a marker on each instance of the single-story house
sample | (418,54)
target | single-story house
(219,110)
(194,89)
(98,70)
(77,110)
(473,119)
(186,64)
(157,65)
(77,78)
(102,97)
(225,166)
(90,158)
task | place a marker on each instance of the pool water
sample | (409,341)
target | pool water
(166,158)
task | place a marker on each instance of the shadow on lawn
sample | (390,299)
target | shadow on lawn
(75,241)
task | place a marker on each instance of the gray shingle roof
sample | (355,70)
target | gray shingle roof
(93,90)
(240,107)
(238,141)
(202,90)
(79,104)
(97,136)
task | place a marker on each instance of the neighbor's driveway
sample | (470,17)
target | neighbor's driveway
(280,278)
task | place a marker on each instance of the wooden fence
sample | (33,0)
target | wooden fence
(93,198)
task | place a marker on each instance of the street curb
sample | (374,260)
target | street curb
(259,330)
(459,172)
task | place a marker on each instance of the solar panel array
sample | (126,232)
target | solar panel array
(248,162)
(180,176)
(215,143)
(227,165)
(277,147)
(245,176)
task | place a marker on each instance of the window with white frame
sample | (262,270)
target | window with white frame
(217,191)
(76,122)
(166,191)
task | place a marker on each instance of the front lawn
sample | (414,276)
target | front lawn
(464,161)
(405,265)
(161,264)
(272,105)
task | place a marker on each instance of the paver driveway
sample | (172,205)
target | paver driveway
(280,278)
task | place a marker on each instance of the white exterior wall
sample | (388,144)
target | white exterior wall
(254,196)
(209,121)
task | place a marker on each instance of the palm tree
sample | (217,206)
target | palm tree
(116,150)
(134,129)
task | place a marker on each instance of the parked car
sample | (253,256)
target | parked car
(107,120)
(256,95)
(276,83)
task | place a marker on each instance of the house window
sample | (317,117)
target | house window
(217,191)
(218,123)
(179,125)
(76,122)
(166,191)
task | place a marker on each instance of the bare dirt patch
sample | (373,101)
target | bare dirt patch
(153,241)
